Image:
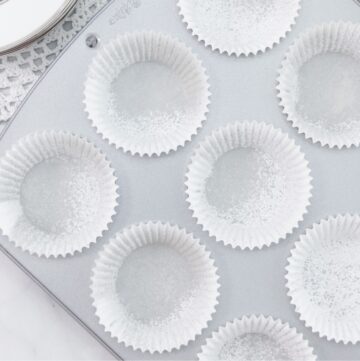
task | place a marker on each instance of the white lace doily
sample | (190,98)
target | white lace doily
(20,69)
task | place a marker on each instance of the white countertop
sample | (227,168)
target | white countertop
(33,327)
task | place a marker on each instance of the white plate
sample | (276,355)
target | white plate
(22,21)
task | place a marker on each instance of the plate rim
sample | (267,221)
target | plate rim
(41,30)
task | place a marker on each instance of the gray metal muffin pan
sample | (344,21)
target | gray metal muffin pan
(153,189)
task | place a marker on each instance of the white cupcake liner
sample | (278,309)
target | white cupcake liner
(151,121)
(242,27)
(332,39)
(323,278)
(256,338)
(58,193)
(280,193)
(127,306)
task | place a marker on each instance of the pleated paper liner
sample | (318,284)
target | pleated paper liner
(242,27)
(256,338)
(146,93)
(248,185)
(154,287)
(323,278)
(319,83)
(58,193)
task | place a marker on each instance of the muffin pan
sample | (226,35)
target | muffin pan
(153,188)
